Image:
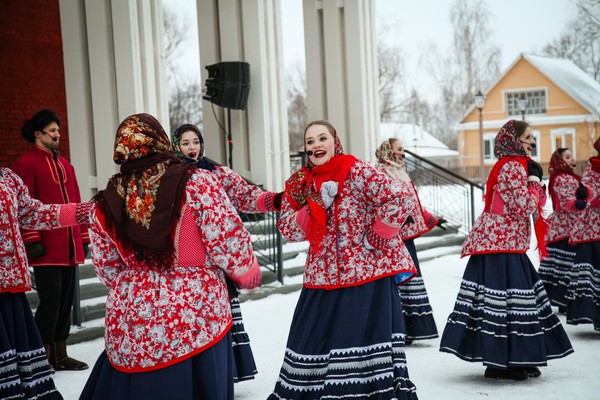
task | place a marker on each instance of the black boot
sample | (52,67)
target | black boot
(51,354)
(64,362)
(515,374)
(532,372)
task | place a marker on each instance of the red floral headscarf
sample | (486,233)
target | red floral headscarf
(146,196)
(507,142)
(558,164)
(386,161)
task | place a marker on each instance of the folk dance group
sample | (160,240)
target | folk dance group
(169,244)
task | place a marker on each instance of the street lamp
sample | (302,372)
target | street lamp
(522,105)
(479,104)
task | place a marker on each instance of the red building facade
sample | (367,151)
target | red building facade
(31,71)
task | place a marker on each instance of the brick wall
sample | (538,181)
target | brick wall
(31,72)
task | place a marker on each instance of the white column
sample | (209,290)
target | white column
(249,31)
(113,55)
(341,70)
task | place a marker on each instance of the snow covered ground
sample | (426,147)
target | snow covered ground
(437,375)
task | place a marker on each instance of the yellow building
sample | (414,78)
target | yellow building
(558,99)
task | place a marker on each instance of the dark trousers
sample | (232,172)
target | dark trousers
(55,286)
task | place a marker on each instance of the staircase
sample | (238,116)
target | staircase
(434,244)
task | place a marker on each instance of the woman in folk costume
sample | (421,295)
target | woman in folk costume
(555,270)
(502,316)
(347,334)
(24,369)
(164,237)
(583,295)
(188,143)
(418,315)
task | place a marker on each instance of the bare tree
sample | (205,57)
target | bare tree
(297,107)
(185,105)
(393,93)
(580,40)
(476,58)
(185,96)
(472,65)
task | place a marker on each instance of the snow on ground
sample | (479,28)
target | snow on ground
(437,375)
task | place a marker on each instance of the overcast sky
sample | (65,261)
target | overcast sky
(517,26)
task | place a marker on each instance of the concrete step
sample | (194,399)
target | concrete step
(93,309)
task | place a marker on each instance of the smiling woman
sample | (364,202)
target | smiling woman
(349,312)
(319,142)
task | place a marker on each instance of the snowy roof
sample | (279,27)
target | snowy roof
(570,78)
(415,139)
(566,75)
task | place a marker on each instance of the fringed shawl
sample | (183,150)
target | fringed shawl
(141,205)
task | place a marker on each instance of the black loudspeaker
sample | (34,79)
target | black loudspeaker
(228,84)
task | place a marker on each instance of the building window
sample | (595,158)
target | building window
(535,153)
(488,147)
(536,103)
(563,137)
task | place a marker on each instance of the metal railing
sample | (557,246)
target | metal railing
(266,241)
(443,192)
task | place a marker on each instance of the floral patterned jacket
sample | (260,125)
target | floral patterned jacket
(52,180)
(370,198)
(506,226)
(157,317)
(561,221)
(246,198)
(587,225)
(19,210)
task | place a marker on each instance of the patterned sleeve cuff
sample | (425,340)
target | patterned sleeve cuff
(303,218)
(82,212)
(384,230)
(381,234)
(252,279)
(67,214)
(264,202)
(570,206)
(538,191)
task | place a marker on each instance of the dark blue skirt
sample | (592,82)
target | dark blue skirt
(245,367)
(555,271)
(502,316)
(24,369)
(418,315)
(346,343)
(207,375)
(583,296)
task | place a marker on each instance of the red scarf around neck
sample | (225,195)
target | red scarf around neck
(304,188)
